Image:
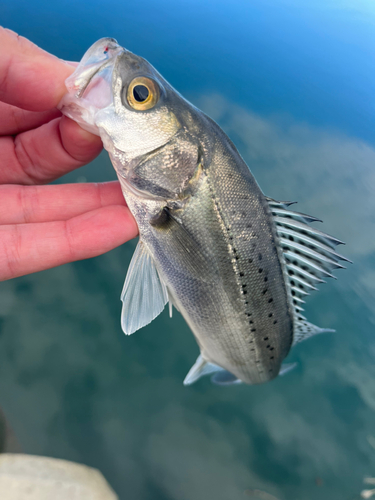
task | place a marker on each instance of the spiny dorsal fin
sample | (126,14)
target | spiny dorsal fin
(309,256)
(276,203)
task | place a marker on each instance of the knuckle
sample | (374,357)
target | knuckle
(24,159)
(11,250)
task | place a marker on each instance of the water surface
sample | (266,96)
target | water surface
(292,83)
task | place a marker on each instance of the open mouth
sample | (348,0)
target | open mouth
(90,86)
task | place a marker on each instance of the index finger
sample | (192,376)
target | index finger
(30,77)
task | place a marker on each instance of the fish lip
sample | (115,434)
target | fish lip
(102,54)
(80,105)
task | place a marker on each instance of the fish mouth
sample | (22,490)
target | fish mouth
(90,85)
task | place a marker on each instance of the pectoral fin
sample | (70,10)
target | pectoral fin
(144,294)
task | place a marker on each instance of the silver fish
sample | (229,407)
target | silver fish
(236,264)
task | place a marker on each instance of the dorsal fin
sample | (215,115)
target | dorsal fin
(304,330)
(309,257)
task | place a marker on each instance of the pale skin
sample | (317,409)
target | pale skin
(43,226)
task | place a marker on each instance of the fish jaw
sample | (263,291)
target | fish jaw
(90,85)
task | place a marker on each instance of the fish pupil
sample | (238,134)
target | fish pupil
(140,93)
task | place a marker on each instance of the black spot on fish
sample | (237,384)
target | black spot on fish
(242,274)
(270,315)
(270,300)
(260,270)
(272,357)
(264,291)
(275,322)
(265,338)
(253,330)
(265,279)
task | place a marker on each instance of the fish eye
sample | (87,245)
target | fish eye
(143,93)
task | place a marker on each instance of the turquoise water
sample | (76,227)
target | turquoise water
(292,83)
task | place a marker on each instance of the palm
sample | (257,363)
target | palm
(45,226)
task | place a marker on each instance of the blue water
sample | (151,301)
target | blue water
(293,85)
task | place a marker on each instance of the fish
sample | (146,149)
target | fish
(235,263)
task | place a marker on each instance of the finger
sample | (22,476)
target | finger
(27,248)
(14,120)
(30,204)
(30,78)
(47,152)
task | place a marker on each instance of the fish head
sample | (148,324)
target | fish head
(119,96)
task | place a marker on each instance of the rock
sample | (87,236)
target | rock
(28,477)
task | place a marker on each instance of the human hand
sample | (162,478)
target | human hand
(45,226)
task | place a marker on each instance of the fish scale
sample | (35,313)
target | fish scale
(242,206)
(236,264)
